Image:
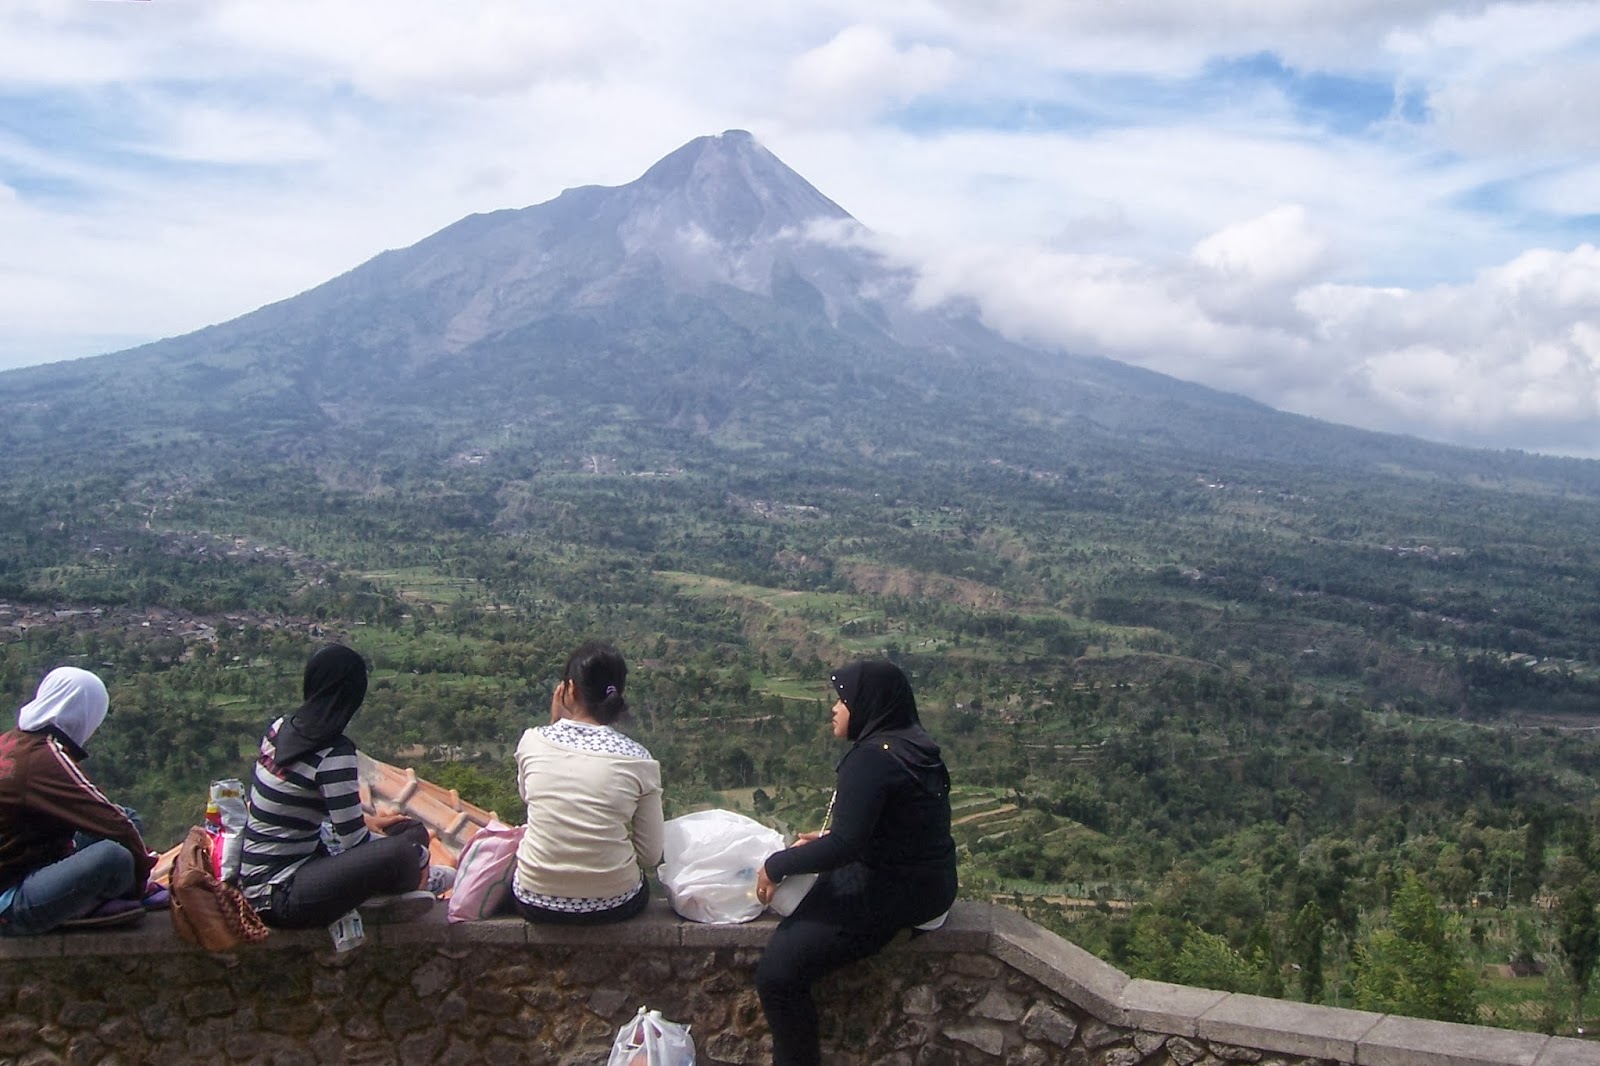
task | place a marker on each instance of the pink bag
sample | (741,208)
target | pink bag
(483,876)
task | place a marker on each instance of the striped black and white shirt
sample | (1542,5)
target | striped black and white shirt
(288,806)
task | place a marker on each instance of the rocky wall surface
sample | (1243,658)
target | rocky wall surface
(989,988)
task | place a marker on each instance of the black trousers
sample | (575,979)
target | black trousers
(849,915)
(326,887)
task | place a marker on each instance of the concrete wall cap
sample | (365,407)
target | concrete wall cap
(1287,1027)
(1398,1041)
(1159,1007)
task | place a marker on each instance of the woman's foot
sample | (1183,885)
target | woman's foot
(440,879)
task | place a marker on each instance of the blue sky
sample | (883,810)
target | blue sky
(1378,212)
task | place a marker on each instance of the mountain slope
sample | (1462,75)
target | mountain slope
(718,295)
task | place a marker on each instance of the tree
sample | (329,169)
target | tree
(1415,967)
(1578,933)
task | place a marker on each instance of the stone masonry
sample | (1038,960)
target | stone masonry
(988,988)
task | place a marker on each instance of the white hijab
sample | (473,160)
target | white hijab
(72,700)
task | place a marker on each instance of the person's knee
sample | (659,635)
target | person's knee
(115,866)
(775,979)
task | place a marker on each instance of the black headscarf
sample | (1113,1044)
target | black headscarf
(335,685)
(884,712)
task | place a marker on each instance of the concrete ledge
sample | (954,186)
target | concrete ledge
(1059,965)
(1158,1007)
(1287,1027)
(1397,1041)
(1562,1051)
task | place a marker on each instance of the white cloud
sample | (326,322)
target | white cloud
(862,70)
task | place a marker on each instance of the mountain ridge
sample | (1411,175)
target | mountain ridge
(713,290)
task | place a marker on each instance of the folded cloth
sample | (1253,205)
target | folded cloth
(156,898)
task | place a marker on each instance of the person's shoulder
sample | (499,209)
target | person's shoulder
(871,757)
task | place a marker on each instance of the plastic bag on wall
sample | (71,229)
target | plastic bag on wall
(648,1039)
(710,863)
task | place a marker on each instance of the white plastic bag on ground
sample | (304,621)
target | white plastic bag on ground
(710,859)
(648,1039)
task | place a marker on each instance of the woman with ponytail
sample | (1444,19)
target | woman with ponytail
(594,802)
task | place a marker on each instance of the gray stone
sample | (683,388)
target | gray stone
(85,1050)
(1121,1056)
(910,1033)
(1031,1055)
(988,1039)
(1185,1052)
(327,1047)
(206,1003)
(433,977)
(1233,1053)
(607,1002)
(937,1056)
(39,1057)
(421,1049)
(1148,1044)
(999,1007)
(1097,1035)
(975,966)
(920,999)
(1048,1024)
(458,1053)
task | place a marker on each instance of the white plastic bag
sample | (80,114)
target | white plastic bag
(710,859)
(648,1039)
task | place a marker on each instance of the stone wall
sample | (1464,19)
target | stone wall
(989,988)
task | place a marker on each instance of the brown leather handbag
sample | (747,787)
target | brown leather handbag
(205,911)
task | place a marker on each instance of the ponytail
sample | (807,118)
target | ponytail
(599,674)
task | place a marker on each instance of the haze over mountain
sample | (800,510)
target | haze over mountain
(719,297)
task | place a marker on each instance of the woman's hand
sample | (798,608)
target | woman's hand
(383,821)
(804,838)
(765,886)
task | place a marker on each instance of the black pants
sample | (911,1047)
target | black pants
(328,886)
(849,915)
(621,912)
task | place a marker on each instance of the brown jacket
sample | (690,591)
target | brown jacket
(45,798)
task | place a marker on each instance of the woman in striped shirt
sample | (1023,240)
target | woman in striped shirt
(305,778)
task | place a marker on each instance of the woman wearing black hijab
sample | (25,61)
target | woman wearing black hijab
(306,778)
(886,858)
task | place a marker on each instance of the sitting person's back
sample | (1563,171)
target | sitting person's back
(593,800)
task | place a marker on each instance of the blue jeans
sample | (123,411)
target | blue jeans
(69,888)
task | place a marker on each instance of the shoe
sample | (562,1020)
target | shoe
(109,913)
(405,907)
(441,879)
(156,898)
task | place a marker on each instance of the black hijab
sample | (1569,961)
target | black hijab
(335,685)
(883,711)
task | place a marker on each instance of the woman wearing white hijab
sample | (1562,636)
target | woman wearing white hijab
(45,800)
